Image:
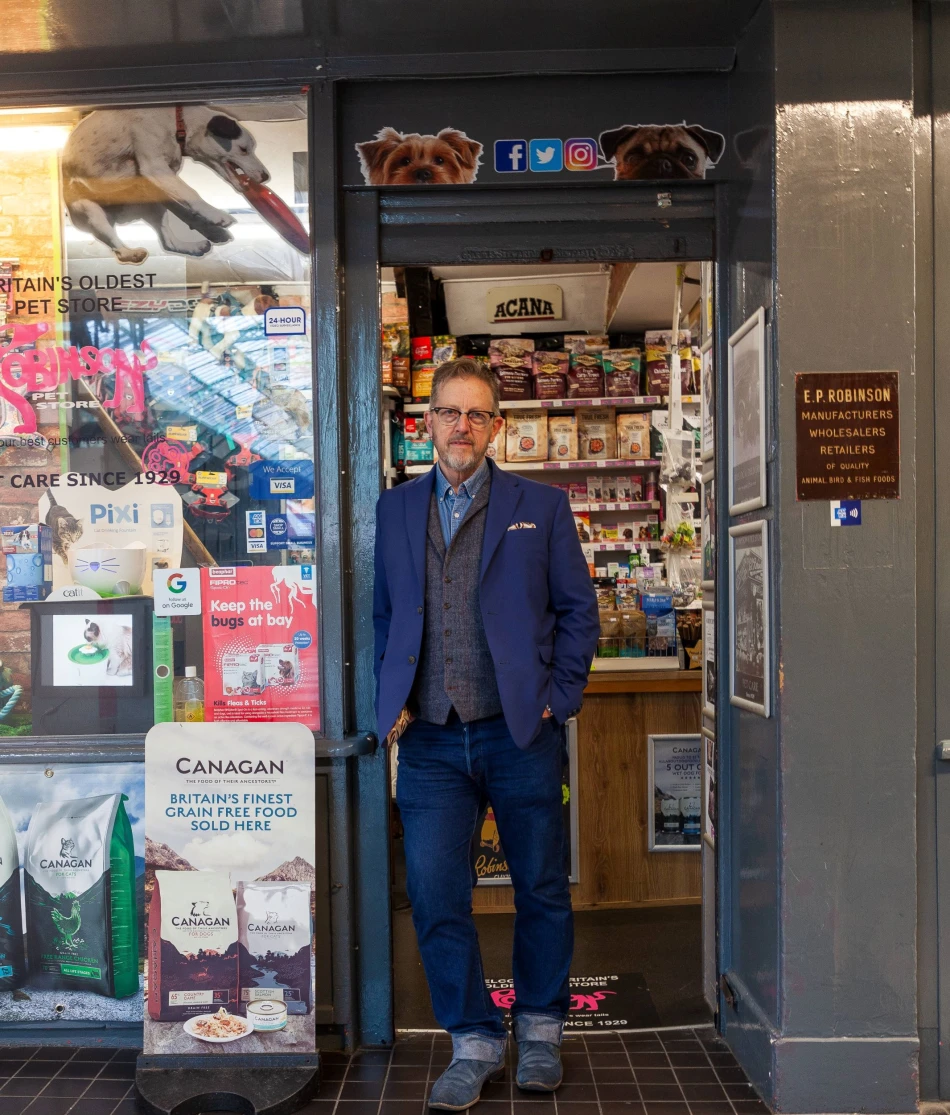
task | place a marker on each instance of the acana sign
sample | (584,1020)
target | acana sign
(528,302)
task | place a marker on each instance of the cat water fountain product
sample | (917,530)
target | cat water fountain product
(29,561)
(109,570)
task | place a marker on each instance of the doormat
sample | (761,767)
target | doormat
(617,1002)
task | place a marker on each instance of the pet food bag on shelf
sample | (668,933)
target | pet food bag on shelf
(585,377)
(81,920)
(633,437)
(527,436)
(562,437)
(192,945)
(12,970)
(580,343)
(622,368)
(597,433)
(496,447)
(550,375)
(659,357)
(511,360)
(274,942)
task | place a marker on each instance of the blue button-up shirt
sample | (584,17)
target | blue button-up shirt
(452,507)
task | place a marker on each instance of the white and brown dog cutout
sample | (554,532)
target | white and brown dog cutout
(395,158)
(645,151)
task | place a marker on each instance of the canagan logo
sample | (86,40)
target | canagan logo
(186,765)
(198,918)
(65,858)
(199,908)
(271,924)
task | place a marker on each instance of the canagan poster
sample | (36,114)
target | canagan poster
(229,822)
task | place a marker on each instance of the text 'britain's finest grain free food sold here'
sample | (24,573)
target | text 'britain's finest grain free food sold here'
(847,431)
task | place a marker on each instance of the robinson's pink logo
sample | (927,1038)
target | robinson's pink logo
(25,370)
(504,999)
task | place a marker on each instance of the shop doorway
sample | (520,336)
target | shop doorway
(432,257)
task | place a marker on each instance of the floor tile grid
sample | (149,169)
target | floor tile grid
(729,1074)
(62,1080)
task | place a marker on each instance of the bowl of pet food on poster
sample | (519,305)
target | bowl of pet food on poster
(218,1028)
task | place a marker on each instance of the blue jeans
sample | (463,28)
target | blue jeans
(446,773)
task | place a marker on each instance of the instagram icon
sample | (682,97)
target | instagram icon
(580,154)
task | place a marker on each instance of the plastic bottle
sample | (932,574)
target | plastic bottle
(190,697)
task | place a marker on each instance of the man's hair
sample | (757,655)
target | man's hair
(466,368)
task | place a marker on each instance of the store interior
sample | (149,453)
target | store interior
(589,407)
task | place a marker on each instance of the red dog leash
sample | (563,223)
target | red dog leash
(180,133)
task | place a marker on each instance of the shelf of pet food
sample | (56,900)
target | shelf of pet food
(535,466)
(627,401)
(628,544)
(686,400)
(649,505)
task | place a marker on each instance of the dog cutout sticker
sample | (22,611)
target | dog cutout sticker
(122,165)
(395,158)
(641,152)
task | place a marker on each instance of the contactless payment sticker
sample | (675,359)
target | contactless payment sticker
(256,531)
(282,480)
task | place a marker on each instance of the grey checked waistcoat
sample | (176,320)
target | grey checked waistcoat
(455,663)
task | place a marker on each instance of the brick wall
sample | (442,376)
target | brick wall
(29,193)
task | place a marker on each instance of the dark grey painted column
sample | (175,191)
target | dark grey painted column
(845,1034)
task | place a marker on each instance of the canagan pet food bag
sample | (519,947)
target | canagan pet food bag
(274,935)
(81,921)
(192,945)
(12,971)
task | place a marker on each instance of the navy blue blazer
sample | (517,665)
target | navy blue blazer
(537,601)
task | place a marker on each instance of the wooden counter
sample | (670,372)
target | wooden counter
(616,870)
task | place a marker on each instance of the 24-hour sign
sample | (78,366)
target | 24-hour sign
(847,427)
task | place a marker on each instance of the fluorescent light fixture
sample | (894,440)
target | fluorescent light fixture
(38,138)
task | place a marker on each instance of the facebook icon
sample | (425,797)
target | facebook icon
(511,156)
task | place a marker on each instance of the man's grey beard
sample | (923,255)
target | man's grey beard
(460,458)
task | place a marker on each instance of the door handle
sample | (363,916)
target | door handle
(943,750)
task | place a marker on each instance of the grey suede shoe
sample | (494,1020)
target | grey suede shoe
(539,1053)
(475,1061)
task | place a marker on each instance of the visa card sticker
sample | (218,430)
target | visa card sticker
(282,480)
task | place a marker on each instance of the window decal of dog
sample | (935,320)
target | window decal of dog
(643,151)
(121,165)
(394,159)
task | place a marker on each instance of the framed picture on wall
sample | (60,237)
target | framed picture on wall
(709,788)
(674,793)
(746,419)
(708,530)
(708,387)
(749,672)
(709,659)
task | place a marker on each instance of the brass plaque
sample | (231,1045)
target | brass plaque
(847,434)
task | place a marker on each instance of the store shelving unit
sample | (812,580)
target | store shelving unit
(623,402)
(545,466)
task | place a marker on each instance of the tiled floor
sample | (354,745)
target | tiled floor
(57,1080)
(672,1072)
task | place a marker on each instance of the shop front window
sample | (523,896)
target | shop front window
(157,457)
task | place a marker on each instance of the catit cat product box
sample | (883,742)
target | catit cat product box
(28,551)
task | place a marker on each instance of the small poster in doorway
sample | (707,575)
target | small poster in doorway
(675,789)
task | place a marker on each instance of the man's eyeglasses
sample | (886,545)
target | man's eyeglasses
(449,417)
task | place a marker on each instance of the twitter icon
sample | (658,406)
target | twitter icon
(546,155)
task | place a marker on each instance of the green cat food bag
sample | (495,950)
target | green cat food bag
(81,921)
(11,916)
